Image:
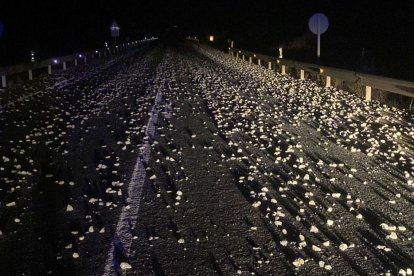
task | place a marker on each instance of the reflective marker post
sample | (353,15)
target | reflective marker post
(368,91)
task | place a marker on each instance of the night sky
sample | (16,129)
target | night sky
(371,36)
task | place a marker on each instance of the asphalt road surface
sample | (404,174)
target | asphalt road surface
(188,161)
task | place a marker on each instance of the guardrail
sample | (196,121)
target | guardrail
(399,87)
(63,61)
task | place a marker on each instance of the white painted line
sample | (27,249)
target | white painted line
(122,239)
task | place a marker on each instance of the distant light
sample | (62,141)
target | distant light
(211,38)
(32,58)
(96,51)
(55,61)
(278,61)
(80,55)
(321,70)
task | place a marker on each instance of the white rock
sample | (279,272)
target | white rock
(314,229)
(321,263)
(329,222)
(181,241)
(125,266)
(392,236)
(343,247)
(402,228)
(11,204)
(316,248)
(69,208)
(299,262)
(384,226)
(75,255)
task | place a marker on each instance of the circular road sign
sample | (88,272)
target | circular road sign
(318,23)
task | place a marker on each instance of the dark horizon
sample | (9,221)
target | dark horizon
(374,37)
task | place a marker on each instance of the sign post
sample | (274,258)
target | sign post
(318,24)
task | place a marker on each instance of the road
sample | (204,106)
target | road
(188,161)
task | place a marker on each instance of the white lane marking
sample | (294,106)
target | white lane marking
(122,239)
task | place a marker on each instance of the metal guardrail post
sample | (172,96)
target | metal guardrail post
(283,69)
(49,69)
(302,74)
(85,59)
(30,74)
(64,65)
(259,62)
(269,65)
(237,55)
(76,62)
(250,60)
(328,81)
(242,57)
(3,81)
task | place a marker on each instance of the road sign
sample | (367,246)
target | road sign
(114,29)
(318,24)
